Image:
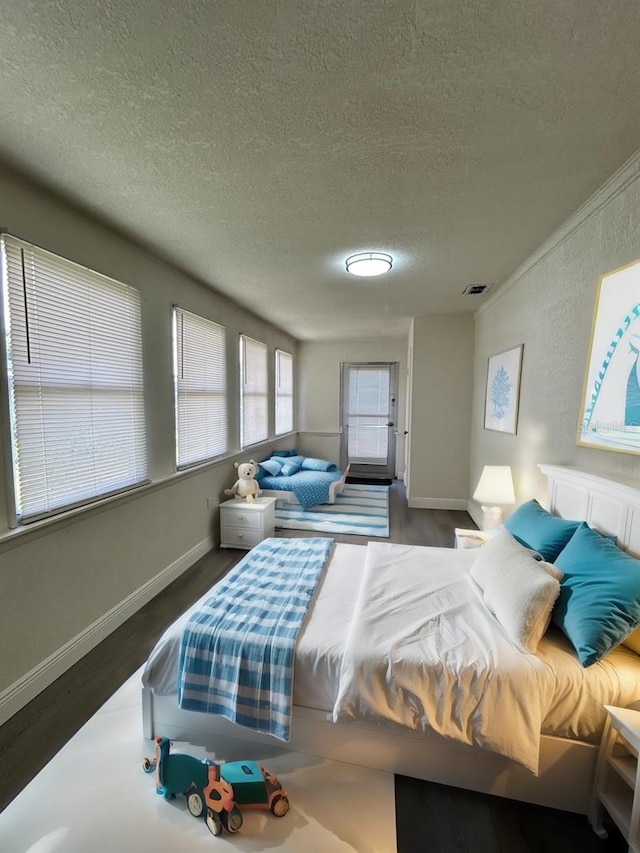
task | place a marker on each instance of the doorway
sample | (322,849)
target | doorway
(368,418)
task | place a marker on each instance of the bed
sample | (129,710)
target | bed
(330,719)
(300,480)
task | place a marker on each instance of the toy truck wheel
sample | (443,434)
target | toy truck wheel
(147,765)
(213,822)
(280,806)
(195,803)
(232,821)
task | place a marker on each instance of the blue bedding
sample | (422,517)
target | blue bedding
(237,651)
(310,487)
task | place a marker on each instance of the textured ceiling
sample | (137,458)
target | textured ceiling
(257,144)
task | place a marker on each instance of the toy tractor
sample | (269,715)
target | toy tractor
(255,788)
(200,781)
(216,790)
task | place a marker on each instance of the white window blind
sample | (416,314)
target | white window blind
(74,353)
(254,425)
(368,414)
(201,388)
(284,392)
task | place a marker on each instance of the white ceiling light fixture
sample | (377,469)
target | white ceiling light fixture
(369,263)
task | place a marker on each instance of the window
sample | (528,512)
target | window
(284,392)
(201,388)
(74,368)
(254,425)
(368,413)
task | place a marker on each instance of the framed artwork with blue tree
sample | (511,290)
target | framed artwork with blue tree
(610,416)
(503,391)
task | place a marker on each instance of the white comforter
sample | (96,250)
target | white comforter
(423,651)
(459,639)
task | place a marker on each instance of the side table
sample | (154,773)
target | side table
(617,781)
(470,538)
(244,524)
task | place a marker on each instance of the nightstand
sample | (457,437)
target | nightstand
(616,786)
(470,538)
(244,524)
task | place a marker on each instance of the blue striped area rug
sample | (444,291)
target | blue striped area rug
(359,509)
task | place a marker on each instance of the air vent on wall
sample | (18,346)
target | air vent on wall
(476,289)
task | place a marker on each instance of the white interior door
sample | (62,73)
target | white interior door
(368,442)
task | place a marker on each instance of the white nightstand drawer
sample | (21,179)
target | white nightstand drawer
(239,537)
(240,517)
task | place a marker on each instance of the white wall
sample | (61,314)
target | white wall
(441,393)
(65,584)
(319,393)
(548,306)
(438,403)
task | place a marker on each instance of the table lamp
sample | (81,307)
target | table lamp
(495,487)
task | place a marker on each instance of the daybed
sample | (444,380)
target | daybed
(549,724)
(301,480)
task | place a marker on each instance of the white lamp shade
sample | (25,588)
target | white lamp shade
(495,486)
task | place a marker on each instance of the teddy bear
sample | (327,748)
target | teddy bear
(246,486)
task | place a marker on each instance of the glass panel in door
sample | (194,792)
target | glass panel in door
(368,419)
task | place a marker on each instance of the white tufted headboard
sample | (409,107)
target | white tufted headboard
(610,505)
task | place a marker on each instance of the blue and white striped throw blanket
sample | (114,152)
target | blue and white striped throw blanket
(237,652)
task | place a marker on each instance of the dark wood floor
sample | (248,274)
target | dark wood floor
(433,818)
(430,817)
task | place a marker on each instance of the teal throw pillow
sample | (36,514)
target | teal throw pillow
(536,528)
(290,467)
(272,466)
(599,601)
(285,453)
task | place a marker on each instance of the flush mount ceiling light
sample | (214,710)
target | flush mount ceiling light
(369,263)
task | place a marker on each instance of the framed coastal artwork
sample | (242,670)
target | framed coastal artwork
(610,416)
(503,391)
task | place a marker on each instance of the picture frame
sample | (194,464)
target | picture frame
(610,413)
(502,396)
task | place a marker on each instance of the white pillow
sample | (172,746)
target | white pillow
(518,590)
(553,570)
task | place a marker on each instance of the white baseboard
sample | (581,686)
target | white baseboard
(17,695)
(437,503)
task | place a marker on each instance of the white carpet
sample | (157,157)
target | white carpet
(359,509)
(94,797)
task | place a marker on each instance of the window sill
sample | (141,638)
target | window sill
(66,518)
